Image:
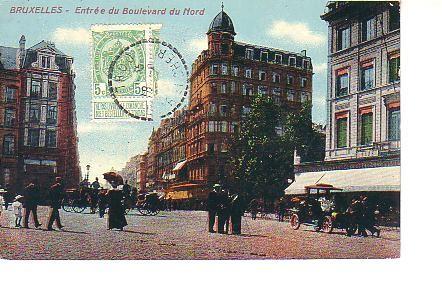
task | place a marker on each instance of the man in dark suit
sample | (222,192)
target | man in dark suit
(212,205)
(236,212)
(223,212)
(30,204)
(56,196)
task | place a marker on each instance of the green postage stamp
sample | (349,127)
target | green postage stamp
(132,73)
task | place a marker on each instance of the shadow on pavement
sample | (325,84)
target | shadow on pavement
(139,232)
(253,235)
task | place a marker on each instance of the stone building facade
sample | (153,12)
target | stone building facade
(363,101)
(44,123)
(362,155)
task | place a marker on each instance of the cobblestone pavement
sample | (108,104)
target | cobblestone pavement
(182,235)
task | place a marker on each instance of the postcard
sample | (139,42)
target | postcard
(199,130)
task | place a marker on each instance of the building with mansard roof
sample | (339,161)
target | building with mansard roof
(38,136)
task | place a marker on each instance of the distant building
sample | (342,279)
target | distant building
(129,172)
(363,103)
(38,136)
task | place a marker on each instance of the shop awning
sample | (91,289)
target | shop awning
(379,179)
(179,165)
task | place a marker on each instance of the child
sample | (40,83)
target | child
(17,207)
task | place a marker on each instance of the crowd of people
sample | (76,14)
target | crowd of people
(226,209)
(362,214)
(27,203)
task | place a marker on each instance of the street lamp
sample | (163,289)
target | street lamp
(88,167)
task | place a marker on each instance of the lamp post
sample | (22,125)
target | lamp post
(88,167)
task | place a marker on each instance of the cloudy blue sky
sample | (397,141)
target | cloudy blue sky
(287,24)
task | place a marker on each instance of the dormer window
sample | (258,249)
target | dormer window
(249,53)
(264,56)
(46,62)
(278,58)
(292,61)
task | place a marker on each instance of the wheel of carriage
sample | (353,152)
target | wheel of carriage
(144,210)
(294,221)
(67,205)
(78,207)
(154,212)
(327,224)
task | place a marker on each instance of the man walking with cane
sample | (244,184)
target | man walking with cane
(56,195)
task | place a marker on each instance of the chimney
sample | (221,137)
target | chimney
(22,50)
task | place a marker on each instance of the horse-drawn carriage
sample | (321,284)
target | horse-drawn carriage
(320,208)
(147,204)
(77,200)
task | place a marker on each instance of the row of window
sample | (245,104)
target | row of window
(222,126)
(367,29)
(264,57)
(37,138)
(36,89)
(36,113)
(367,76)
(366,128)
(215,69)
(249,90)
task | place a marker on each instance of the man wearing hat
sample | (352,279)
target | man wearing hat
(56,196)
(212,205)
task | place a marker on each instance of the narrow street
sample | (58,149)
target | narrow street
(183,235)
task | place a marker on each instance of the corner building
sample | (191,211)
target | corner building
(38,116)
(362,153)
(224,78)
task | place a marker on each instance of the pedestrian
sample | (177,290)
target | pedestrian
(223,212)
(102,203)
(116,217)
(126,190)
(55,195)
(212,206)
(236,213)
(17,209)
(368,215)
(355,216)
(31,204)
(281,209)
(253,206)
(94,195)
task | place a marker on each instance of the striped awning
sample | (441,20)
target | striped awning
(379,179)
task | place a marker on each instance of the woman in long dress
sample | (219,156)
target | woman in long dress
(116,218)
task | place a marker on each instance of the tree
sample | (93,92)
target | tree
(300,135)
(257,161)
(261,153)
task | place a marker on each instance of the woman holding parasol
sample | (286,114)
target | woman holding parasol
(116,218)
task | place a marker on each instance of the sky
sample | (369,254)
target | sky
(292,25)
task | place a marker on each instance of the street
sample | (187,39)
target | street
(183,235)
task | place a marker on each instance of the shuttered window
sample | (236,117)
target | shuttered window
(367,129)
(341,132)
(394,121)
(394,68)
